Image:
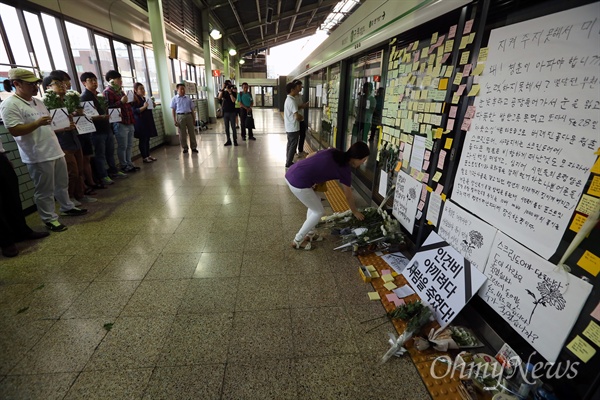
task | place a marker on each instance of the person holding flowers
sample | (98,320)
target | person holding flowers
(56,98)
(27,120)
(326,165)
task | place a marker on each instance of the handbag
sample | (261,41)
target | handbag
(238,103)
(249,122)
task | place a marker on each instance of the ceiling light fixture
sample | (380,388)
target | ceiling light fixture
(242,61)
(232,52)
(215,34)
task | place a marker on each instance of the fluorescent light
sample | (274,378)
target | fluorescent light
(215,34)
(242,61)
(232,52)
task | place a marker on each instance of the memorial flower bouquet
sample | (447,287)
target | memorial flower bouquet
(72,101)
(103,102)
(416,315)
(51,100)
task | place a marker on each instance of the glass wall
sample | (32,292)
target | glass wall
(38,42)
(83,51)
(317,83)
(139,65)
(364,81)
(104,57)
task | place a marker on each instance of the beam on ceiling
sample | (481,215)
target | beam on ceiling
(239,21)
(293,21)
(289,14)
(272,40)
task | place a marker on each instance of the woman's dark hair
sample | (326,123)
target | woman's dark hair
(8,86)
(136,86)
(358,151)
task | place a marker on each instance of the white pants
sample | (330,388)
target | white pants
(315,211)
(51,180)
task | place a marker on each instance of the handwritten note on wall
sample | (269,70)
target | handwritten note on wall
(540,303)
(406,200)
(531,145)
(468,234)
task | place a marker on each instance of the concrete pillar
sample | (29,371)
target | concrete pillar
(157,30)
(210,90)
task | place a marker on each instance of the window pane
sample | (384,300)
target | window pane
(140,65)
(83,51)
(124,66)
(15,34)
(152,74)
(39,46)
(106,61)
(3,54)
(177,68)
(58,53)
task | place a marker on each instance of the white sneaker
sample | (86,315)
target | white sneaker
(87,199)
(75,202)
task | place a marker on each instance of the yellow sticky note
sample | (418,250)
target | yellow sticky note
(587,204)
(581,349)
(370,268)
(390,286)
(455,98)
(449,71)
(590,262)
(387,278)
(443,85)
(438,133)
(437,176)
(448,46)
(374,274)
(578,221)
(592,332)
(594,189)
(448,143)
(478,69)
(474,90)
(394,274)
(464,58)
(471,38)
(443,196)
(483,54)
(398,166)
(457,78)
(463,42)
(596,168)
(429,189)
(374,296)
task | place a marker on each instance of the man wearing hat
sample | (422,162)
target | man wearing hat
(28,121)
(184,115)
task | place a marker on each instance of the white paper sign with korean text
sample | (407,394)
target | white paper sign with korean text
(528,154)
(442,278)
(60,118)
(89,109)
(114,115)
(406,200)
(472,237)
(84,124)
(540,302)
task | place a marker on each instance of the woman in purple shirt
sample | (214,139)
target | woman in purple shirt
(320,167)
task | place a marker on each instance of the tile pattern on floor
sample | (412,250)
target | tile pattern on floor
(181,283)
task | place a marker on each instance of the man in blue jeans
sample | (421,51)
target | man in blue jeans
(103,138)
(125,129)
(229,114)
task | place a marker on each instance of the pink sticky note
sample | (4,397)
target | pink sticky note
(452,32)
(402,146)
(385,272)
(427,155)
(440,41)
(425,178)
(596,312)
(468,27)
(392,298)
(439,189)
(470,113)
(400,98)
(467,70)
(453,110)
(450,124)
(421,205)
(441,159)
(445,57)
(425,165)
(424,193)
(461,89)
(466,125)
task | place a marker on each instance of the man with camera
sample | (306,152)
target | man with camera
(229,112)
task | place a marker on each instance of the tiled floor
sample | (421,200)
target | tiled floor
(180,284)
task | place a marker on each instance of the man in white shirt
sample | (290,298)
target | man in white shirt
(291,119)
(28,121)
(301,105)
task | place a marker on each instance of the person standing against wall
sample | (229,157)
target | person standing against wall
(123,130)
(291,119)
(229,114)
(27,120)
(13,227)
(246,102)
(377,114)
(144,121)
(303,124)
(184,115)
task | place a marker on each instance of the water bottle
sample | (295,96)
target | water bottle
(528,383)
